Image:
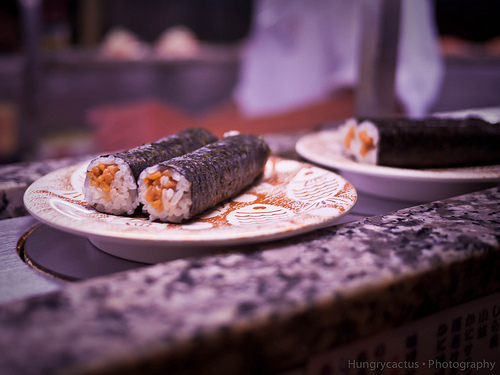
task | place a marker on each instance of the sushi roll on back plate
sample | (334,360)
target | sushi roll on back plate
(111,181)
(183,187)
(423,143)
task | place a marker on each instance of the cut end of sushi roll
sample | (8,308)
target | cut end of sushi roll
(110,186)
(348,132)
(365,143)
(165,194)
(360,141)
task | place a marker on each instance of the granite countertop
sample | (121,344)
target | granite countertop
(256,309)
(15,179)
(266,308)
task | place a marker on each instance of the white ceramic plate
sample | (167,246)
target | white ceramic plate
(291,198)
(414,185)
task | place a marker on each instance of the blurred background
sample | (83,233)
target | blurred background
(60,59)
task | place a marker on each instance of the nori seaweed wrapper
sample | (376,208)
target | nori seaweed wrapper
(437,142)
(221,169)
(146,155)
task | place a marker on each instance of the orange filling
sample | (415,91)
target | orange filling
(102,175)
(348,138)
(366,143)
(154,188)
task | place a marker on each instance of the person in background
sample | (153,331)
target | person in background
(299,69)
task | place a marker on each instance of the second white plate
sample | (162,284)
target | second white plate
(414,185)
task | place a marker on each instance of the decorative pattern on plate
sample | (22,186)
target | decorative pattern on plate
(291,197)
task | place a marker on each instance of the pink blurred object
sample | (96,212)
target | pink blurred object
(177,42)
(122,44)
(127,125)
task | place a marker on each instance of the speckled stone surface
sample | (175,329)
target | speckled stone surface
(262,309)
(15,178)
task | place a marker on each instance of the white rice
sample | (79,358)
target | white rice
(344,131)
(356,144)
(230,133)
(122,198)
(176,201)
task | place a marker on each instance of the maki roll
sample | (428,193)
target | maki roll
(183,187)
(423,143)
(111,181)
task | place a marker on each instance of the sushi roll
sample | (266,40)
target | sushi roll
(423,143)
(111,180)
(183,187)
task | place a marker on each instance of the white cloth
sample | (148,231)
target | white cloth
(299,51)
